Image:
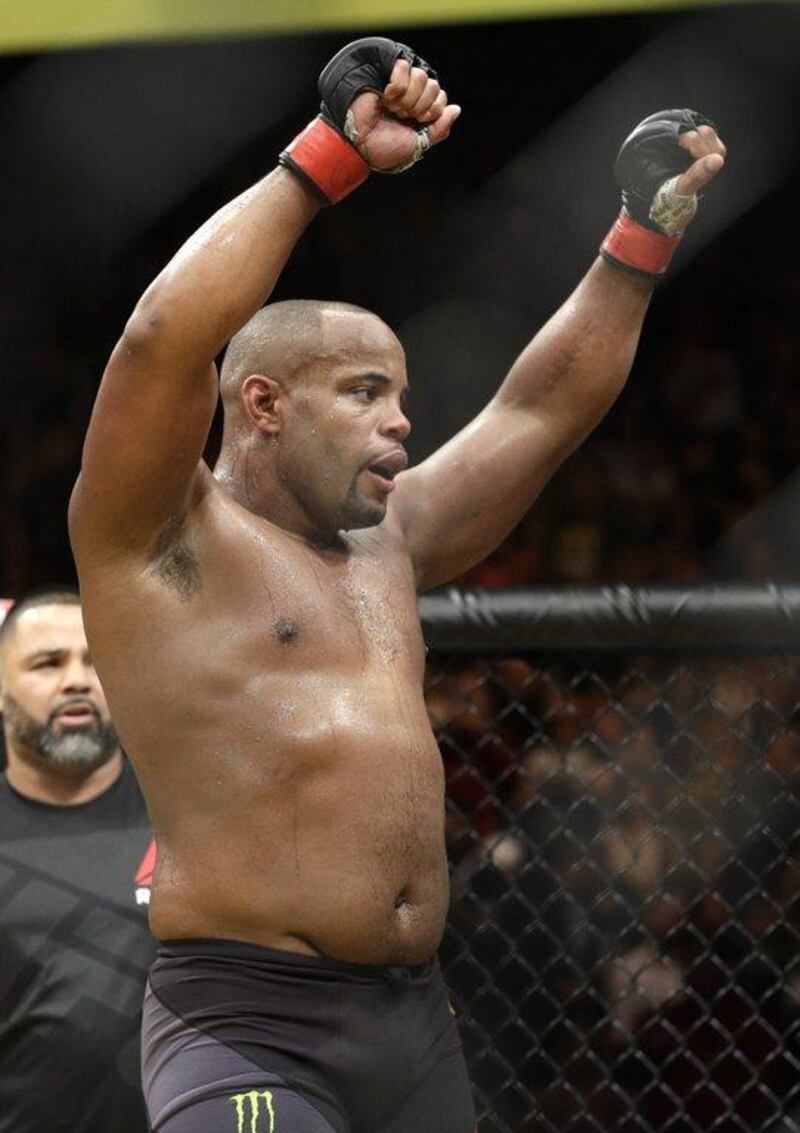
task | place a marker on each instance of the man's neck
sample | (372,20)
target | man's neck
(276,506)
(49,785)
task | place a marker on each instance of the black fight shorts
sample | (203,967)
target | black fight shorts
(242,1039)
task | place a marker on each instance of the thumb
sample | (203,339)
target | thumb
(698,175)
(439,129)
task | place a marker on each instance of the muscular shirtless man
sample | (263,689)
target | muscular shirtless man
(256,627)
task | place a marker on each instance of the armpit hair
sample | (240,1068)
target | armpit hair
(175,560)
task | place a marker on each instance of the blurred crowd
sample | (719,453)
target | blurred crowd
(626,908)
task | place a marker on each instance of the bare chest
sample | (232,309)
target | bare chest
(272,628)
(356,611)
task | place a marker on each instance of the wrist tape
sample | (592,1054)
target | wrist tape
(326,161)
(643,251)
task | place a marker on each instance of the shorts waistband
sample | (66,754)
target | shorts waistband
(221,948)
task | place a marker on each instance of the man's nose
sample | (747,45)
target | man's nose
(396,425)
(78,677)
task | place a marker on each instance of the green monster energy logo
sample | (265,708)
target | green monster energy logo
(249,1108)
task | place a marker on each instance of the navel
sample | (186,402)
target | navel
(401,903)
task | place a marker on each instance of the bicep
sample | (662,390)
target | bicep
(460,504)
(145,440)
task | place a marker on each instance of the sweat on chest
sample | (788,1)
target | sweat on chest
(363,611)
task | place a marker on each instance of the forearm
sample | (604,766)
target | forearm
(225,271)
(576,366)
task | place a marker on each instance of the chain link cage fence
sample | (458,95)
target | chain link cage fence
(623,824)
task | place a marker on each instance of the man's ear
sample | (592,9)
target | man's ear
(262,398)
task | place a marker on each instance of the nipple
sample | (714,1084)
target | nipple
(287,631)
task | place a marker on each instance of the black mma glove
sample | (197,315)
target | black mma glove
(324,154)
(648,230)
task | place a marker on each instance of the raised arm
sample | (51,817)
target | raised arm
(142,456)
(462,502)
(159,391)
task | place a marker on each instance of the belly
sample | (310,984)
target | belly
(320,830)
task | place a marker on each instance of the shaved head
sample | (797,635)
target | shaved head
(312,396)
(280,341)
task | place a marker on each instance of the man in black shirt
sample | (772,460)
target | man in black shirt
(75,863)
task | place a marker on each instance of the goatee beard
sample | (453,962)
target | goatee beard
(73,751)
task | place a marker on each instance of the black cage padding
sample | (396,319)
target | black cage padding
(612,618)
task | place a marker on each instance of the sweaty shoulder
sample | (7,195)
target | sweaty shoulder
(215,556)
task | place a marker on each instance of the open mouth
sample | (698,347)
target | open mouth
(383,476)
(76,715)
(385,470)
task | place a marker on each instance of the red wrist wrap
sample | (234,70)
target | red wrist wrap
(325,158)
(631,245)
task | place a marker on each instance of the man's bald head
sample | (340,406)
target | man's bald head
(312,394)
(281,341)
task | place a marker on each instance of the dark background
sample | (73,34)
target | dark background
(113,156)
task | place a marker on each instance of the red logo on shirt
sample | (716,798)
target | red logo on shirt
(144,874)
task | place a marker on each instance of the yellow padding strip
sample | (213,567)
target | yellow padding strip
(29,25)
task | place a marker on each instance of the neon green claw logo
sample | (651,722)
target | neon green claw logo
(249,1110)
